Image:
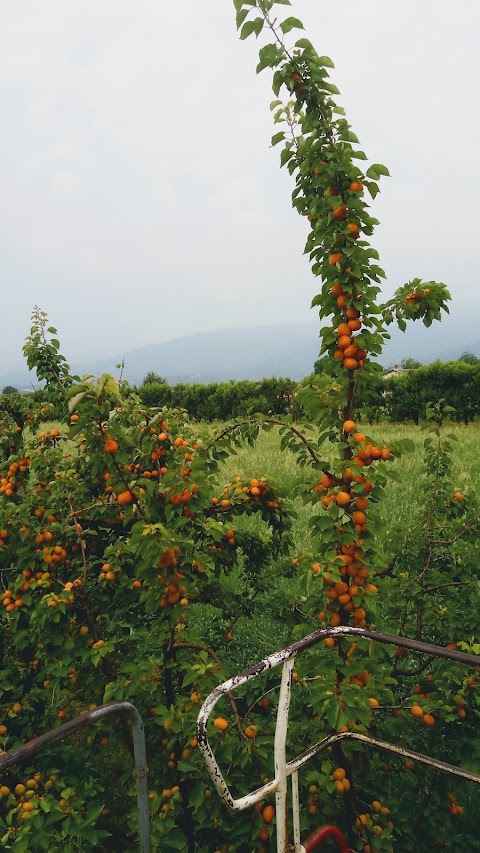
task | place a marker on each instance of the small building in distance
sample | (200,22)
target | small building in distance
(396,370)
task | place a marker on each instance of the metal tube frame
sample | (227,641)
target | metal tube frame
(28,750)
(284,769)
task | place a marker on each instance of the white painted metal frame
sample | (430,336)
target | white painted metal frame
(283,769)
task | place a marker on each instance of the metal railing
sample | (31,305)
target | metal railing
(28,750)
(283,769)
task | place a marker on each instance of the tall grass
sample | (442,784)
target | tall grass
(402,500)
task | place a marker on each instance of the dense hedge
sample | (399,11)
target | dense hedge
(398,399)
(223,400)
(457,382)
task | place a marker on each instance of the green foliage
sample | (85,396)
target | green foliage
(320,151)
(410,363)
(155,394)
(103,615)
(223,400)
(152,377)
(469,358)
(127,569)
(42,352)
(458,382)
(113,529)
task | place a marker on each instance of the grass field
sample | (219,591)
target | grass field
(402,500)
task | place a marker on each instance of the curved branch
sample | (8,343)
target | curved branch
(418,669)
(274,422)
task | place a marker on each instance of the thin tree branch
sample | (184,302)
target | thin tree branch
(81,541)
(419,669)
(213,654)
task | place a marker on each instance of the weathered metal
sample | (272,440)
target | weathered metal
(296,814)
(284,769)
(317,838)
(279,755)
(28,750)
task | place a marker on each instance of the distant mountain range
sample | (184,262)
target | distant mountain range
(259,352)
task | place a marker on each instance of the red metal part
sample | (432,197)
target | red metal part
(321,835)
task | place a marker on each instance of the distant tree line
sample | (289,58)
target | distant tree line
(401,398)
(222,400)
(457,382)
(397,399)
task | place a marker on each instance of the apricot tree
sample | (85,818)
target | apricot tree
(359,688)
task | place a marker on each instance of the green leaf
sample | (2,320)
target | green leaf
(372,188)
(270,55)
(278,137)
(330,87)
(255,26)
(241,15)
(376,170)
(325,61)
(291,24)
(285,156)
(305,44)
(175,840)
(278,82)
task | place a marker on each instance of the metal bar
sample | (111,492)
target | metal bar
(22,753)
(296,814)
(280,757)
(214,770)
(294,766)
(320,835)
(278,658)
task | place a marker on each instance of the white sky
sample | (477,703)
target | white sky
(139,197)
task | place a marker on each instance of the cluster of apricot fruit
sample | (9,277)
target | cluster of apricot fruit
(169,796)
(258,489)
(455,808)
(24,798)
(107,573)
(9,482)
(54,599)
(12,601)
(174,590)
(339,777)
(374,822)
(165,443)
(345,596)
(52,555)
(417,295)
(419,714)
(347,348)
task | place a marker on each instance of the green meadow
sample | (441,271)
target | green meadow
(402,499)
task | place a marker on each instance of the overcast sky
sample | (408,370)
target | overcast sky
(139,197)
